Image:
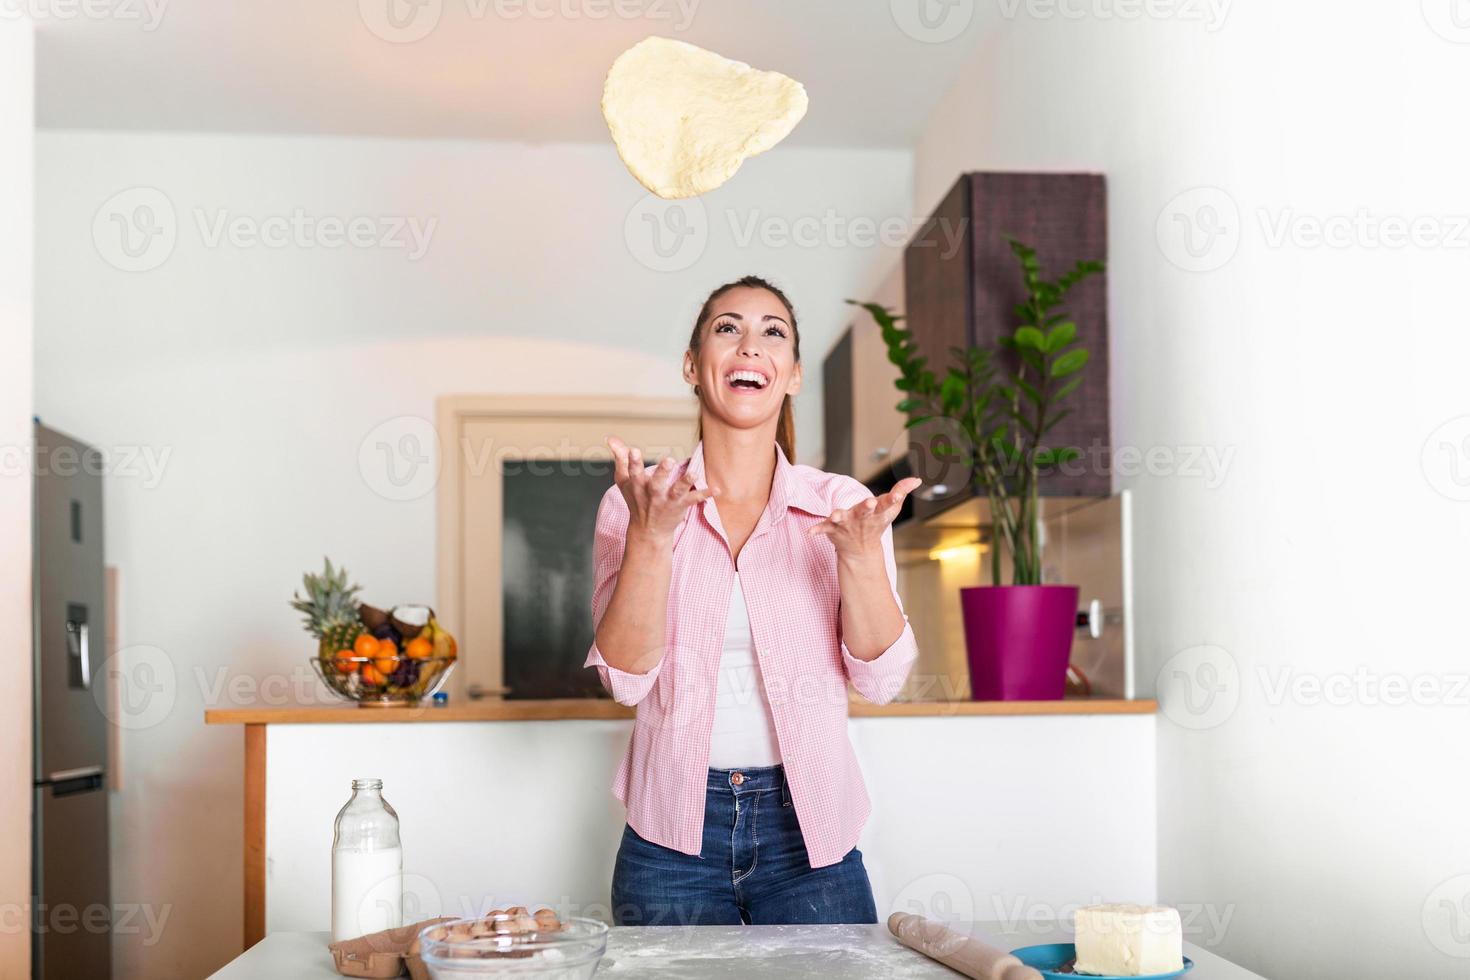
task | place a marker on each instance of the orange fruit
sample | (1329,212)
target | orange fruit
(343,662)
(366,645)
(420,648)
(386,656)
(370,675)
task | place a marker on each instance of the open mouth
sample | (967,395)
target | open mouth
(746,380)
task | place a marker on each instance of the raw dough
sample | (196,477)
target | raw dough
(684,118)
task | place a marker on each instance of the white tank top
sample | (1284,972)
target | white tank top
(744,732)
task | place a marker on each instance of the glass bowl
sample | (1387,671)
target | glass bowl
(571,952)
(410,681)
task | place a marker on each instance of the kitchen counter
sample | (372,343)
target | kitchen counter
(541,772)
(839,952)
(588,708)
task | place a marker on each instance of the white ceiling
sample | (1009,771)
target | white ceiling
(488,69)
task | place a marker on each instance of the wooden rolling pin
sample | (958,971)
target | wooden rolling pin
(969,956)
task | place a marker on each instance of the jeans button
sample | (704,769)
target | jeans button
(737,778)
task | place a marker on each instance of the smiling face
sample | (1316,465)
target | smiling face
(745,362)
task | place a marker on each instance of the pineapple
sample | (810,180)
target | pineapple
(330,608)
(341,635)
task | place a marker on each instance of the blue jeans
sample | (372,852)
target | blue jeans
(753,867)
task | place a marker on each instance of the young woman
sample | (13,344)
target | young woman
(736,594)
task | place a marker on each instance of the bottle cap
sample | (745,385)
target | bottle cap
(440,698)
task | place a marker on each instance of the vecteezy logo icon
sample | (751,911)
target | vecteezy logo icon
(942,897)
(1446,917)
(400,21)
(1199,687)
(421,899)
(1199,230)
(135,230)
(400,459)
(1445,459)
(1450,19)
(932,21)
(667,236)
(139,687)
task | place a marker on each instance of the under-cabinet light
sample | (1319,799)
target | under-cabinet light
(955,552)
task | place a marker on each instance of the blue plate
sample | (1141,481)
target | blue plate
(1049,958)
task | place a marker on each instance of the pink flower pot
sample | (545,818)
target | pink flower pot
(1019,640)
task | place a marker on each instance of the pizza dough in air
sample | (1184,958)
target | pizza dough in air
(684,118)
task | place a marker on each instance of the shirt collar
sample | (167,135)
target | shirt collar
(789,488)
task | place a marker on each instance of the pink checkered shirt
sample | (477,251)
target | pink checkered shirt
(790,583)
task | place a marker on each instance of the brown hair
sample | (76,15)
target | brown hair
(786,425)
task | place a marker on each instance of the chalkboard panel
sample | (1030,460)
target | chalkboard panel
(546,561)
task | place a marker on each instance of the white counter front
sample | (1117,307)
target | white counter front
(976,818)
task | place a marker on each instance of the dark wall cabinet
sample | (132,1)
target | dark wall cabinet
(837,409)
(961,284)
(863,427)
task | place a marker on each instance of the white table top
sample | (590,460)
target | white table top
(842,952)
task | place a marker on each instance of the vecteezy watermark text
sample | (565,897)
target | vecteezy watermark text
(1211,13)
(301,230)
(148,14)
(407,21)
(145,463)
(670,236)
(1204,924)
(1363,686)
(1200,229)
(64,918)
(137,229)
(1363,228)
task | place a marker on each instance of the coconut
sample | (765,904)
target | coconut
(410,620)
(372,617)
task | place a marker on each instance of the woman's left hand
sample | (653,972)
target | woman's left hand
(858,530)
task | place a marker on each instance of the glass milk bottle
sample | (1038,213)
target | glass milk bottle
(367,864)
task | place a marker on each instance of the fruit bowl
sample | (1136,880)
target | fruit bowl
(366,681)
(365,654)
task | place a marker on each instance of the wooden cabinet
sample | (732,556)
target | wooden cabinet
(862,427)
(961,284)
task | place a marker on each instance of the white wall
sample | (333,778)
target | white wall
(556,242)
(17,163)
(233,386)
(1331,827)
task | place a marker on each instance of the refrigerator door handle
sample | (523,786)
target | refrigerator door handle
(79,639)
(69,782)
(63,775)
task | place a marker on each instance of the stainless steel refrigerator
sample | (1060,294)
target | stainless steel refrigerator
(71,901)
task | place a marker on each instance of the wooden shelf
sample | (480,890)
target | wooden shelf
(570,709)
(948,709)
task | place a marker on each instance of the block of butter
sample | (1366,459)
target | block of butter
(1129,940)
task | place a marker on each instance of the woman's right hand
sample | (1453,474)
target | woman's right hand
(657,502)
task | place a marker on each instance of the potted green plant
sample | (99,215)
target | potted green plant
(1001,404)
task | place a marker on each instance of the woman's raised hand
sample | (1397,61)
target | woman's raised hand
(858,530)
(656,500)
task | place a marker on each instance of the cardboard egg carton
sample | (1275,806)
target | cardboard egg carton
(390,952)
